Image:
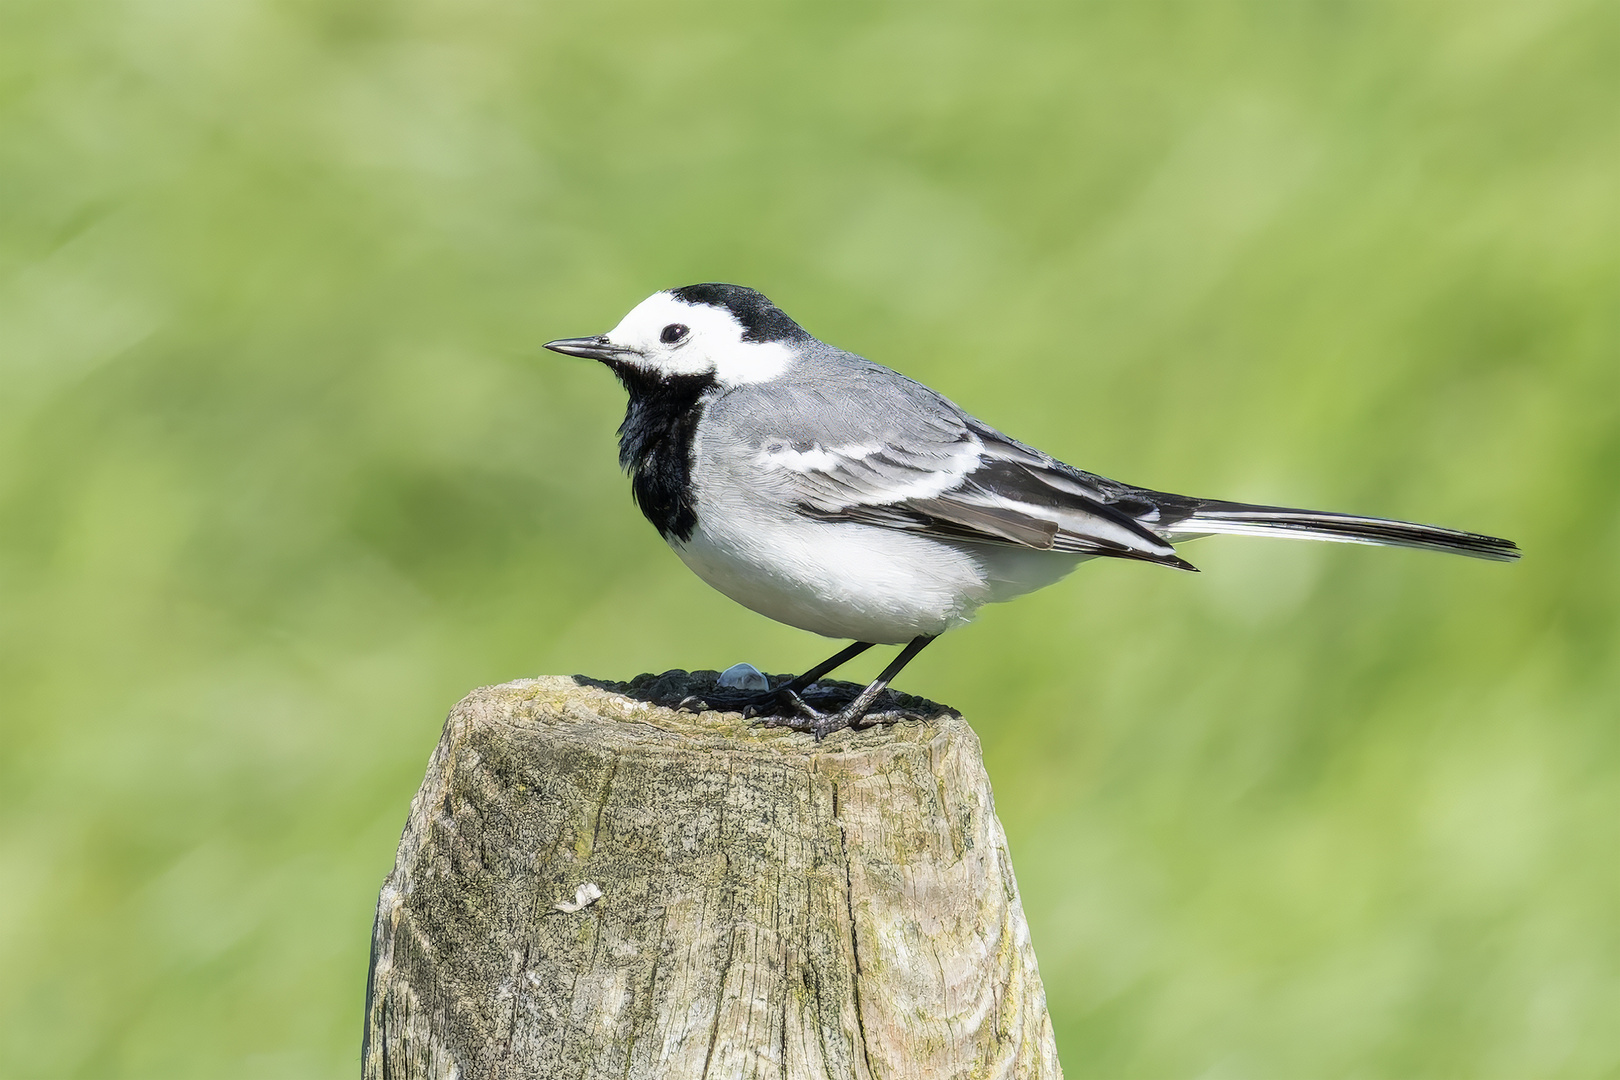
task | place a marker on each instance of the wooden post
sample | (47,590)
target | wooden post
(768,906)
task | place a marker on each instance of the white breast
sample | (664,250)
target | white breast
(844,580)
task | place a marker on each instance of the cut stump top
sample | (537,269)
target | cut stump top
(769,905)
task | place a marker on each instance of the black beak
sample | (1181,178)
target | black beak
(591,348)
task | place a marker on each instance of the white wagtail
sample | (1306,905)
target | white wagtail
(835,495)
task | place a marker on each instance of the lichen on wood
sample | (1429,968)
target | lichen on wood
(769,906)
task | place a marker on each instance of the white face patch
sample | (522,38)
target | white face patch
(712,345)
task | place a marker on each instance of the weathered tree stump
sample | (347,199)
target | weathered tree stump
(769,906)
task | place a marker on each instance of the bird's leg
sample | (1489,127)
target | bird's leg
(786,696)
(858,712)
(842,657)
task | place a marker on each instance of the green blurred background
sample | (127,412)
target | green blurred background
(284,472)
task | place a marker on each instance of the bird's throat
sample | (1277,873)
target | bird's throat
(655,445)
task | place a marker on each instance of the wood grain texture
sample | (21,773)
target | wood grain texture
(771,907)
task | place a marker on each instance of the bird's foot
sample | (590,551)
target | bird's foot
(788,708)
(794,713)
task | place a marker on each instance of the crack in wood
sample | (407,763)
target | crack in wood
(854,935)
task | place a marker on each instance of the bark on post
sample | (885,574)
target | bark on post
(768,906)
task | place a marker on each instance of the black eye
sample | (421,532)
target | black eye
(672,333)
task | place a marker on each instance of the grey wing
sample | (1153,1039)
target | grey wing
(936,471)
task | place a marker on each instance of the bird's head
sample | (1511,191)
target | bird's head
(726,332)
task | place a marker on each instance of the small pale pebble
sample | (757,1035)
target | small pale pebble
(584,896)
(743,677)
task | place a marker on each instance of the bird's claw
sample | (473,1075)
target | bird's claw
(817,723)
(807,718)
(784,707)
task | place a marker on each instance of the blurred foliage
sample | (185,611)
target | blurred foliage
(283,472)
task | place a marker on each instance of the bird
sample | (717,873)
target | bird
(838,496)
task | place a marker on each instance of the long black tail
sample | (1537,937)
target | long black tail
(1202,517)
